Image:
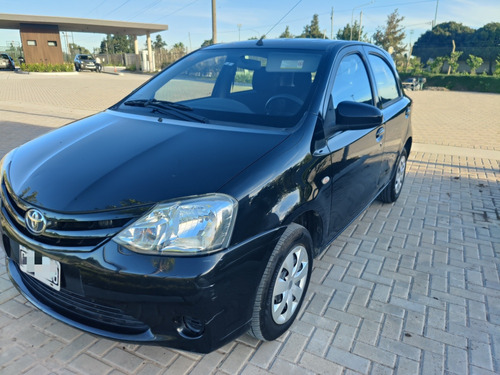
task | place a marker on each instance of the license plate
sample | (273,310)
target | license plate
(42,268)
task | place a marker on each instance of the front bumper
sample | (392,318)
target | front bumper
(85,66)
(190,303)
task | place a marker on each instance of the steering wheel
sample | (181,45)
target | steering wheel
(283,104)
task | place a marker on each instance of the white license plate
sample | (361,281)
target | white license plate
(42,268)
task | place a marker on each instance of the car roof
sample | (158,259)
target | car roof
(296,43)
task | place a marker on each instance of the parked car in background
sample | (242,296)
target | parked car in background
(85,62)
(191,211)
(7,62)
(411,83)
(414,83)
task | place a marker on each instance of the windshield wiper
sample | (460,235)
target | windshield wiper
(160,105)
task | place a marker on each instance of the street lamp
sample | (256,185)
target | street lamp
(352,15)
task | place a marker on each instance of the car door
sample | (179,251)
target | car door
(395,107)
(356,155)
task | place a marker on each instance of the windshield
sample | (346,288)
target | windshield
(270,87)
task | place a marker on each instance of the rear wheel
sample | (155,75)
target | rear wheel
(284,284)
(393,190)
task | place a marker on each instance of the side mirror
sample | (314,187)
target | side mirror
(357,116)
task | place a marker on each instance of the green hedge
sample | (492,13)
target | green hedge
(67,67)
(478,83)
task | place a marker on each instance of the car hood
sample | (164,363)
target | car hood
(113,160)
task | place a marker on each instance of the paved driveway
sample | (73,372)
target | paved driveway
(408,288)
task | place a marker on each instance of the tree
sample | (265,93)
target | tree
(312,30)
(437,64)
(207,43)
(392,35)
(75,49)
(486,42)
(159,43)
(453,61)
(415,66)
(438,41)
(345,33)
(116,44)
(14,51)
(474,62)
(286,33)
(179,48)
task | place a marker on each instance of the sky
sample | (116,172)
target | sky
(189,21)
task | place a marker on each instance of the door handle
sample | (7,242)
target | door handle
(408,111)
(380,133)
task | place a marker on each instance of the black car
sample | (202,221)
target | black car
(190,212)
(7,62)
(85,62)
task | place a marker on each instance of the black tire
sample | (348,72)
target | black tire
(393,190)
(283,285)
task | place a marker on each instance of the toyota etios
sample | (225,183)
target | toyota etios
(190,212)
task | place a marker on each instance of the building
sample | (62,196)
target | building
(41,40)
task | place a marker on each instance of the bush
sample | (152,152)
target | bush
(478,83)
(40,67)
(437,64)
(474,63)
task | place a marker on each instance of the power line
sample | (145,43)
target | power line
(177,10)
(145,10)
(281,19)
(97,7)
(118,7)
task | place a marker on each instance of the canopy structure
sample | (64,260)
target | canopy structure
(41,40)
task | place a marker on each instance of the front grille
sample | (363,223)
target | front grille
(78,232)
(81,310)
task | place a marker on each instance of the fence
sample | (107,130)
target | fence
(162,57)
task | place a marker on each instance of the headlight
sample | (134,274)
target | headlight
(186,227)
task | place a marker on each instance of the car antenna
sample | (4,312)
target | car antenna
(260,41)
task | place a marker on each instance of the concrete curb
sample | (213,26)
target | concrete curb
(456,151)
(61,74)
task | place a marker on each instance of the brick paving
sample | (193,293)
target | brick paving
(408,288)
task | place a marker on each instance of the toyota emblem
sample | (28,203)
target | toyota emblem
(35,221)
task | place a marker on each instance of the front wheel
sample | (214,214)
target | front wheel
(393,190)
(284,284)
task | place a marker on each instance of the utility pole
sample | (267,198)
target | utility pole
(435,14)
(214,24)
(331,18)
(239,31)
(352,14)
